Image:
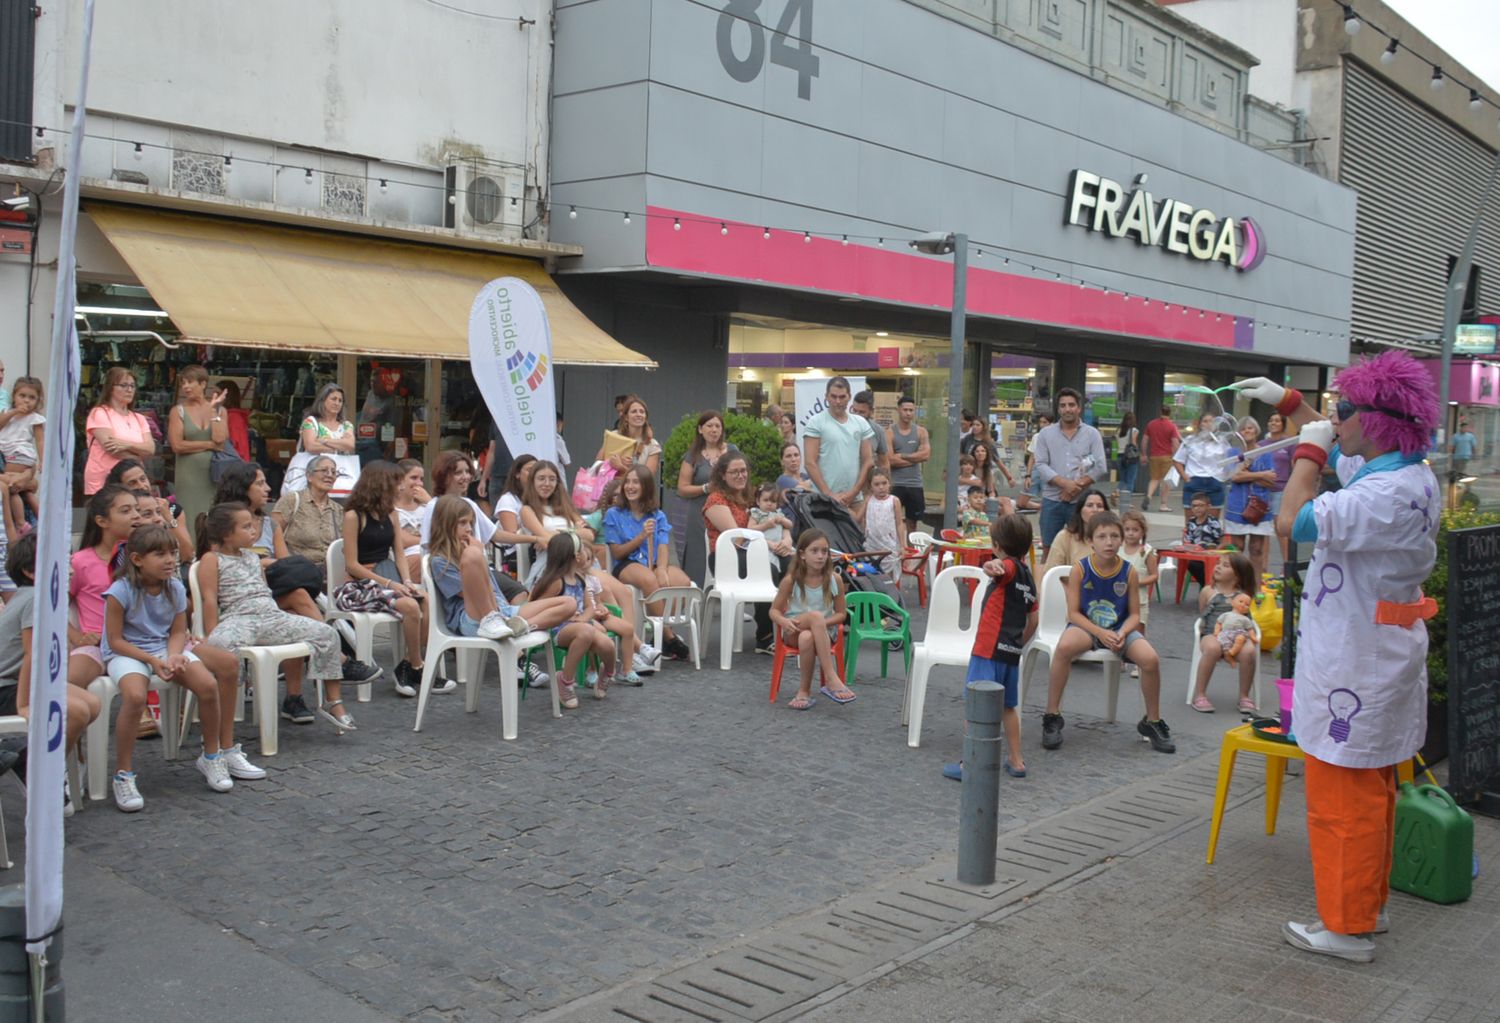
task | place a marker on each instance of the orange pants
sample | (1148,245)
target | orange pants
(1351,830)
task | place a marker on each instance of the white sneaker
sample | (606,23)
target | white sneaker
(127,796)
(67,800)
(239,765)
(646,660)
(1382,922)
(215,771)
(1314,937)
(494,626)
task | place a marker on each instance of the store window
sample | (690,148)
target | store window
(1019,387)
(1109,393)
(389,409)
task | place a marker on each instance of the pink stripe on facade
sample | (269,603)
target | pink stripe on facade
(896,275)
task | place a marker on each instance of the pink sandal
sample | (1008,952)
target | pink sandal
(1202,705)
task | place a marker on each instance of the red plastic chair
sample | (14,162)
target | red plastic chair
(783,651)
(914,557)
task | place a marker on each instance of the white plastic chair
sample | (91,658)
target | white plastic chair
(1198,656)
(96,736)
(15,724)
(733,591)
(682,606)
(264,664)
(946,641)
(523,561)
(1166,578)
(469,653)
(364,622)
(922,543)
(1052,619)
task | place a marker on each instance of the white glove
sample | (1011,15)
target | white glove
(1261,389)
(1319,432)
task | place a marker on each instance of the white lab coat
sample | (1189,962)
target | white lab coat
(1361,688)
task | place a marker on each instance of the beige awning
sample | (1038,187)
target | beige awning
(228,282)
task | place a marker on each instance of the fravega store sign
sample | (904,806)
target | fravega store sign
(1098,204)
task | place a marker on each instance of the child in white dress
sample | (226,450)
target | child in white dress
(883,521)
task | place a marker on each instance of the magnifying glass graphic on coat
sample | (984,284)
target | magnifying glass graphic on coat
(1331,580)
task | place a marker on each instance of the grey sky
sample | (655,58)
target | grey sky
(1467,29)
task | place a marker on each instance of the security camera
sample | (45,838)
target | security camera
(934,243)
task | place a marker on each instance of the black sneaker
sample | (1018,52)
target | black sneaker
(677,650)
(408,679)
(295,711)
(766,645)
(358,672)
(1158,735)
(1052,726)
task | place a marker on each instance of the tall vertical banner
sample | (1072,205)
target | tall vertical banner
(510,355)
(46,736)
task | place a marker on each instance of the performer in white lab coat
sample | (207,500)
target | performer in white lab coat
(1361,677)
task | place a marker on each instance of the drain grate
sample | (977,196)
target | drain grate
(772,972)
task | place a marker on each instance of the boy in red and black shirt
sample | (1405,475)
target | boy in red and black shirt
(1007,618)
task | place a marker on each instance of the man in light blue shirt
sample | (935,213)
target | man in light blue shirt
(1069,458)
(840,447)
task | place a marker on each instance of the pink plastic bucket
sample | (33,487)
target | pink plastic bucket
(1284,691)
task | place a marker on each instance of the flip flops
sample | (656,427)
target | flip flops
(806,702)
(846,697)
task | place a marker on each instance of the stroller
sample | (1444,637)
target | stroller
(859,568)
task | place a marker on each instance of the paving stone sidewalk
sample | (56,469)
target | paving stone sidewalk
(450,875)
(1159,936)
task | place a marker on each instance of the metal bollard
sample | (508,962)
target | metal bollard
(15,965)
(979,806)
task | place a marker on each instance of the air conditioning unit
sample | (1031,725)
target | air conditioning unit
(485,197)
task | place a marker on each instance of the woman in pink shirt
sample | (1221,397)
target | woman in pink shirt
(115,430)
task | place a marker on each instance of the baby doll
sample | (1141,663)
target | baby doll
(1235,628)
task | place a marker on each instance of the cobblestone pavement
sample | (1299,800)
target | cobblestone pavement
(448,874)
(1158,936)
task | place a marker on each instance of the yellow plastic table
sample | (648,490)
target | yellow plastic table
(1243,739)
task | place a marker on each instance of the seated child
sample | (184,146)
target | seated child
(1235,627)
(1104,613)
(1202,531)
(972,520)
(1233,575)
(1007,620)
(767,517)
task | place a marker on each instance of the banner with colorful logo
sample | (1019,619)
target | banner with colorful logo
(510,354)
(46,734)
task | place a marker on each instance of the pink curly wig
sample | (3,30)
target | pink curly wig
(1398,382)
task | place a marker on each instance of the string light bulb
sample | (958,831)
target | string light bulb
(572,212)
(1390,51)
(806,237)
(41,132)
(845,241)
(766,233)
(1351,20)
(723,228)
(1437,77)
(627,216)
(1475,101)
(384,186)
(228,164)
(677,223)
(139,149)
(308,176)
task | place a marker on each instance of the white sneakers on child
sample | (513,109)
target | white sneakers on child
(496,626)
(239,765)
(216,771)
(127,796)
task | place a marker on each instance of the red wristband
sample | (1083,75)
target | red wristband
(1312,453)
(1290,402)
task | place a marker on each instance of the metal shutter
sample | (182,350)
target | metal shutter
(17,37)
(1419,180)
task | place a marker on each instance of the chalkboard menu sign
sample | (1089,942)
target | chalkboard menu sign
(1474,666)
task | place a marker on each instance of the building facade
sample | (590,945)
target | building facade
(745,179)
(301,193)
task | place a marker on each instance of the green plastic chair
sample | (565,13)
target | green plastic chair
(560,654)
(867,614)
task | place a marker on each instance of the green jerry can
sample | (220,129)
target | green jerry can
(1434,855)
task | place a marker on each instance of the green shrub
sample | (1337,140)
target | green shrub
(1436,587)
(759,442)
